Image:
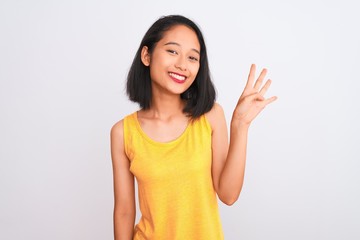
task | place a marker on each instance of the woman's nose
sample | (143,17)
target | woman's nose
(181,63)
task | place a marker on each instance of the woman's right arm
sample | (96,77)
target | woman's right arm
(124,190)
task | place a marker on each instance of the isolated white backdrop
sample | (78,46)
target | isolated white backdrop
(63,66)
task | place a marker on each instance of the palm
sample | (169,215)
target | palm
(252,100)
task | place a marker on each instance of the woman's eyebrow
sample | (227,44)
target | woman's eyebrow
(177,44)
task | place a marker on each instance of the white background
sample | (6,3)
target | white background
(63,66)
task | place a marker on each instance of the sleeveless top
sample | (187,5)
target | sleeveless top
(175,189)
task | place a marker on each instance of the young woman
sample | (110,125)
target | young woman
(176,145)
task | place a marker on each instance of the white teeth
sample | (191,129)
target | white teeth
(178,77)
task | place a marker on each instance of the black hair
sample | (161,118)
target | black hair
(200,96)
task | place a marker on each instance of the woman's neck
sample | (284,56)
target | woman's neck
(166,106)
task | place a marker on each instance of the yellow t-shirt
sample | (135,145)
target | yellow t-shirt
(176,194)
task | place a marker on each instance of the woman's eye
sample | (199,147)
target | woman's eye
(193,58)
(171,51)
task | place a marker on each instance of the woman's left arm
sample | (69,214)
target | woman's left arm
(229,159)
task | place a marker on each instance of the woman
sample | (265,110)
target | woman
(176,145)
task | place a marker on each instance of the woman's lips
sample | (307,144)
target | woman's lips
(177,77)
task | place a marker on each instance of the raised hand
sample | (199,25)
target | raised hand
(252,101)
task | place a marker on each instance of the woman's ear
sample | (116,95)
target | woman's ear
(145,56)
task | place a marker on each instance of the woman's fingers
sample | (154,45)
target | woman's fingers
(254,97)
(252,100)
(259,81)
(270,100)
(252,92)
(265,87)
(257,97)
(251,77)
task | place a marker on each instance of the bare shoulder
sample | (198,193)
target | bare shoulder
(117,129)
(117,136)
(215,115)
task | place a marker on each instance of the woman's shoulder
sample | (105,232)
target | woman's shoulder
(118,127)
(117,130)
(215,115)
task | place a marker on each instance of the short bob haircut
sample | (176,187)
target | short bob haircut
(200,96)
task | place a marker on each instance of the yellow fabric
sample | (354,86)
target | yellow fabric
(176,195)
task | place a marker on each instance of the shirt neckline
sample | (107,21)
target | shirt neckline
(149,139)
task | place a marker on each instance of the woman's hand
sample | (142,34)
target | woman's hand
(252,101)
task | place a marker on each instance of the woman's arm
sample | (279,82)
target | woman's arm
(124,192)
(229,159)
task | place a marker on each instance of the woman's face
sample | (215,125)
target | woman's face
(174,62)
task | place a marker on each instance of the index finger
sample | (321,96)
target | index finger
(251,77)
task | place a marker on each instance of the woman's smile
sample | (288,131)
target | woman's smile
(178,78)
